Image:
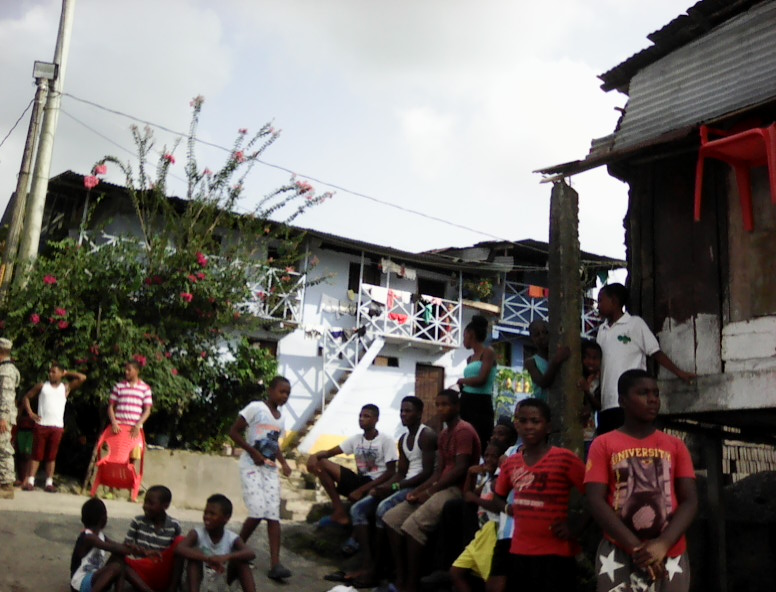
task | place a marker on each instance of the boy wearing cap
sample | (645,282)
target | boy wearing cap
(9,381)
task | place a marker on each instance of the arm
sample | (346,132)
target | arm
(607,519)
(390,469)
(666,363)
(75,380)
(135,432)
(488,360)
(545,380)
(283,464)
(462,463)
(384,490)
(654,551)
(187,548)
(470,493)
(111,546)
(495,505)
(428,446)
(31,394)
(112,417)
(586,386)
(415,495)
(236,433)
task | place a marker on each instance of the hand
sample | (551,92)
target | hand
(3,426)
(35,417)
(687,377)
(286,470)
(216,563)
(459,382)
(381,491)
(356,495)
(134,432)
(561,530)
(477,470)
(562,354)
(415,496)
(257,457)
(114,427)
(471,497)
(650,553)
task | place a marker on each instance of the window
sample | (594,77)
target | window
(435,288)
(371,275)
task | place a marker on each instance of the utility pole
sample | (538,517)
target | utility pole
(19,198)
(37,198)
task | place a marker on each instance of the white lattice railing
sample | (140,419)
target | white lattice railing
(520,308)
(276,294)
(397,314)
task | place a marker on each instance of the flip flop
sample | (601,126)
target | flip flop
(364,582)
(327,522)
(350,547)
(336,576)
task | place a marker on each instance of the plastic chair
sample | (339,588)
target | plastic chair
(743,151)
(115,469)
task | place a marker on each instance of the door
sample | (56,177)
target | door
(429,380)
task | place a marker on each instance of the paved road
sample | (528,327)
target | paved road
(37,532)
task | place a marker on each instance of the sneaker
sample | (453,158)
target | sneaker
(28,486)
(279,573)
(6,491)
(50,489)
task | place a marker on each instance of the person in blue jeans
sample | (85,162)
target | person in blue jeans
(417,451)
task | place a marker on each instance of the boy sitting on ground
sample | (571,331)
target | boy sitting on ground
(376,457)
(88,570)
(158,534)
(216,548)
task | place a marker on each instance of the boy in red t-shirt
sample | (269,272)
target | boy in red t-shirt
(543,548)
(641,491)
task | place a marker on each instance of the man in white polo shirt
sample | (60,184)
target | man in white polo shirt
(625,341)
(130,403)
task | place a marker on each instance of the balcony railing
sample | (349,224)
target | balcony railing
(276,294)
(520,307)
(406,316)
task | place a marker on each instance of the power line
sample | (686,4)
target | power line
(13,127)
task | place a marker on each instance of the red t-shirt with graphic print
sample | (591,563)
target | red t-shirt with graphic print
(542,494)
(640,475)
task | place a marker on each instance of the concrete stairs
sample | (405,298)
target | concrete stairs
(297,493)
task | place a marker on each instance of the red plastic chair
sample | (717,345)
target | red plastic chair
(743,151)
(116,469)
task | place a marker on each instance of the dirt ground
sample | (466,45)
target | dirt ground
(37,532)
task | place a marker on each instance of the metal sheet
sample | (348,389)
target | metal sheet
(729,68)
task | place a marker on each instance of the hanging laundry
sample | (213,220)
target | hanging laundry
(538,292)
(375,309)
(402,271)
(398,317)
(428,313)
(379,294)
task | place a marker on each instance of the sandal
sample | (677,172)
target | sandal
(350,547)
(336,576)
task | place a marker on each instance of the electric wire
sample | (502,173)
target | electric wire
(13,127)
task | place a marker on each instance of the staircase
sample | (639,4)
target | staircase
(298,494)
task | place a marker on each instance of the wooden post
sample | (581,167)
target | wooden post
(565,306)
(717,539)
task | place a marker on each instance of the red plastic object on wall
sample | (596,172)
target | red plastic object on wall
(116,469)
(743,151)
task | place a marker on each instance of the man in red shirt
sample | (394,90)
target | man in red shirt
(414,519)
(641,491)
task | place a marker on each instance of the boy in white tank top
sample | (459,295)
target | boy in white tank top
(50,421)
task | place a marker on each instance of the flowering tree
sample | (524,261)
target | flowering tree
(172,297)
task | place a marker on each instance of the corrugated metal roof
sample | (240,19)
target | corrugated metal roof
(729,68)
(699,20)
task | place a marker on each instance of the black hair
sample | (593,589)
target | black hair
(506,421)
(93,512)
(56,364)
(479,327)
(616,291)
(629,378)
(278,380)
(223,502)
(371,407)
(542,406)
(452,395)
(164,493)
(134,363)
(536,323)
(588,344)
(414,401)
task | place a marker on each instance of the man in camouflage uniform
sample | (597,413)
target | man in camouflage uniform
(9,381)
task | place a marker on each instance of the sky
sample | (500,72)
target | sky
(440,106)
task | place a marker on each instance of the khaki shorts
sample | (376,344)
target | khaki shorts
(419,520)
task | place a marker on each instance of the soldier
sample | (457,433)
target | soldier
(9,382)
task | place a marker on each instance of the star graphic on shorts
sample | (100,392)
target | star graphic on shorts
(673,567)
(609,565)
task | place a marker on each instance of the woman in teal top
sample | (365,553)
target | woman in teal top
(479,376)
(541,368)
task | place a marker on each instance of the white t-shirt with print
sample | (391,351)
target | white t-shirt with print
(371,455)
(263,432)
(625,346)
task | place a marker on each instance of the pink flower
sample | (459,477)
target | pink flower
(174,371)
(261,295)
(207,172)
(303,187)
(290,269)
(187,297)
(286,278)
(237,188)
(239,156)
(192,278)
(169,158)
(81,362)
(63,325)
(49,280)
(34,318)
(197,101)
(167,355)
(242,131)
(90,182)
(200,275)
(202,260)
(60,312)
(203,355)
(142,360)
(100,169)
(147,281)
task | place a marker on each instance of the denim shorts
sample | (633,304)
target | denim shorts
(363,510)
